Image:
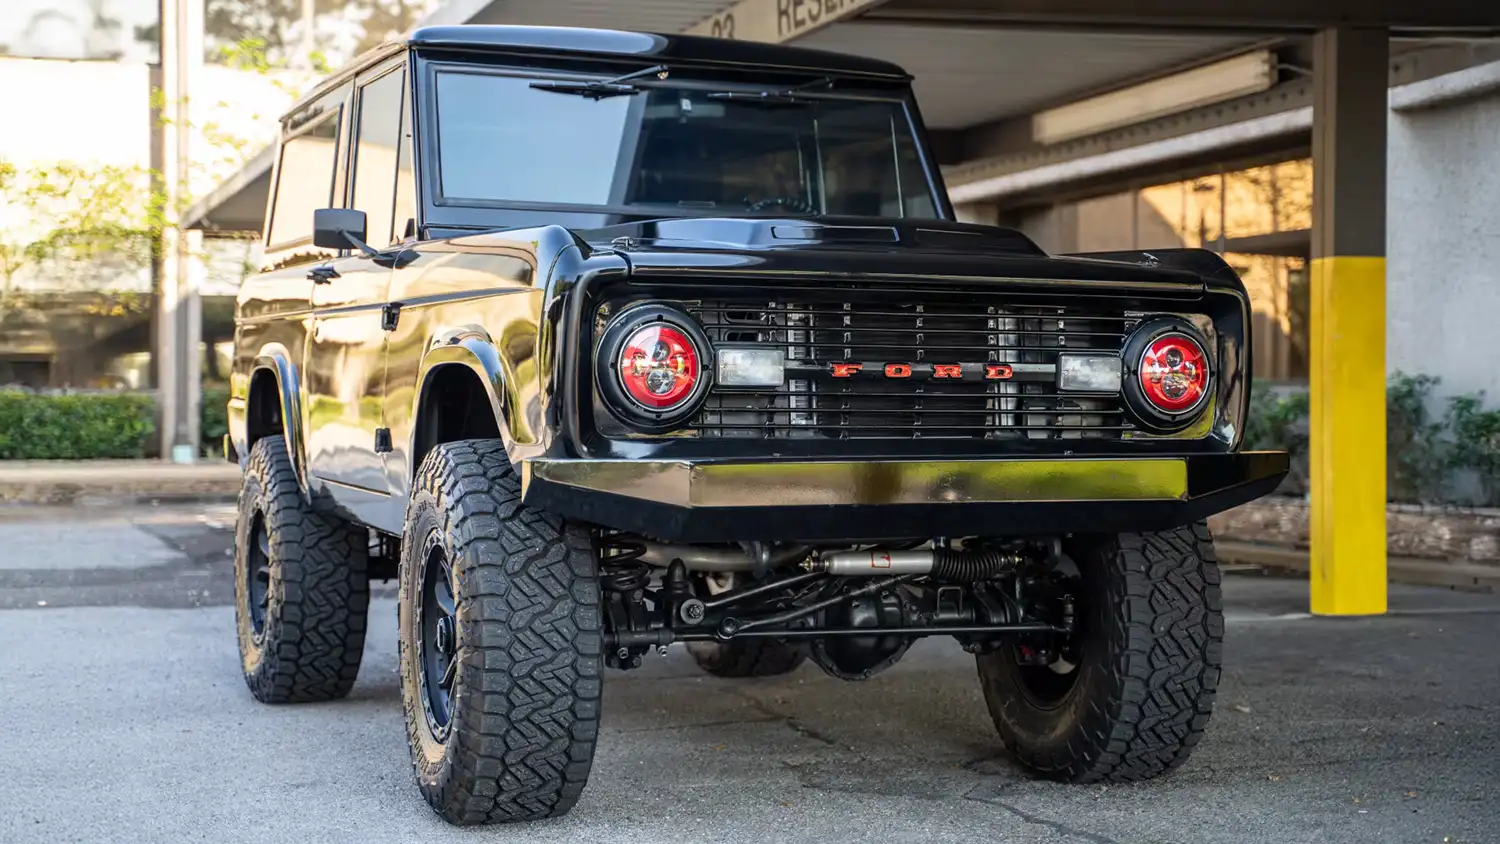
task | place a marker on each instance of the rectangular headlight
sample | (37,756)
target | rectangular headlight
(751,367)
(1088,373)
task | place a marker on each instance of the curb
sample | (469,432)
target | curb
(1410,570)
(116,483)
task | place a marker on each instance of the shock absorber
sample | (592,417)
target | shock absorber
(624,578)
(940,563)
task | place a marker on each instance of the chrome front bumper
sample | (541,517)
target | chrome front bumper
(731,500)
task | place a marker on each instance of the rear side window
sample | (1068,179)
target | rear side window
(375,154)
(305,183)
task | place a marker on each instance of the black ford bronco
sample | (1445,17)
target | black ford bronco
(599,342)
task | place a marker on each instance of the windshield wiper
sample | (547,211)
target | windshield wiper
(782,96)
(600,89)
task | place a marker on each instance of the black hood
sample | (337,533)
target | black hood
(930,250)
(795,233)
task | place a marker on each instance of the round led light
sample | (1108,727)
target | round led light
(658,366)
(1173,373)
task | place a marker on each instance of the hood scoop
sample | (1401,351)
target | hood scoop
(788,232)
(837,234)
(969,238)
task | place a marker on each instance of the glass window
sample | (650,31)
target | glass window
(1259,217)
(1280,314)
(1293,182)
(1250,201)
(406,180)
(305,181)
(1191,210)
(495,152)
(677,150)
(375,155)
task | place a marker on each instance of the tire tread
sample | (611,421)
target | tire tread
(315,629)
(1164,636)
(530,645)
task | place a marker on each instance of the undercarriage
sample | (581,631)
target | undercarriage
(854,609)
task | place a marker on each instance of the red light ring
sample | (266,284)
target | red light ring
(658,366)
(1174,373)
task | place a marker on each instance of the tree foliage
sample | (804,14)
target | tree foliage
(342,28)
(76,226)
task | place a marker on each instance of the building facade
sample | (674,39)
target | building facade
(78,186)
(1247,193)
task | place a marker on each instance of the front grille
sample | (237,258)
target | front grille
(814,404)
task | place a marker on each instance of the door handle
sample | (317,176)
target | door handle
(322,275)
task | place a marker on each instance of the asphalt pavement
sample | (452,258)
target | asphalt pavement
(123,718)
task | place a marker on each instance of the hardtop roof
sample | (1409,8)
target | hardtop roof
(614,43)
(689,49)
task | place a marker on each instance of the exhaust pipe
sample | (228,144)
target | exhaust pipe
(941,563)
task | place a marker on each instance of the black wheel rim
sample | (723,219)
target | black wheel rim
(437,636)
(258,575)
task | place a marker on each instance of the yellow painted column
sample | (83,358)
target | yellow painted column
(1348,436)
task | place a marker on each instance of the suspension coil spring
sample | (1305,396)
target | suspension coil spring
(622,570)
(971,566)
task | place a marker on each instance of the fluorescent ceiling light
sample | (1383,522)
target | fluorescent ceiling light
(1245,74)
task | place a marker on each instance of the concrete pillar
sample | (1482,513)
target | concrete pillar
(1348,443)
(179,310)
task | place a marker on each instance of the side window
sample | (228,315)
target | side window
(375,154)
(305,183)
(406,180)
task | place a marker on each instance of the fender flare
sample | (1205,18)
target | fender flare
(474,348)
(275,358)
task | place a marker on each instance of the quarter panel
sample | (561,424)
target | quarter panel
(272,318)
(277,359)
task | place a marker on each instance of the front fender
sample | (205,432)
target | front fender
(474,348)
(275,358)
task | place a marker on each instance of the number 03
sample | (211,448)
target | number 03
(722,27)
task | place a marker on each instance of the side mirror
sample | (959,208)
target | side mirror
(339,228)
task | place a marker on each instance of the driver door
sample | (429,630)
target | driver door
(345,375)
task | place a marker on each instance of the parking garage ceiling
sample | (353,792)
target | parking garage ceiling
(964,75)
(978,64)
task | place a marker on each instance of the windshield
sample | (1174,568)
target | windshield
(676,150)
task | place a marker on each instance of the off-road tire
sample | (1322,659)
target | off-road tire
(746,658)
(1150,615)
(318,593)
(526,695)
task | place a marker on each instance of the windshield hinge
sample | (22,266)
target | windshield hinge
(390,315)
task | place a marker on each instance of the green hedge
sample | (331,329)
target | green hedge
(1431,458)
(86,426)
(213,420)
(74,426)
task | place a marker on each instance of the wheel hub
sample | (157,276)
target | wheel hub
(258,576)
(445,636)
(437,636)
